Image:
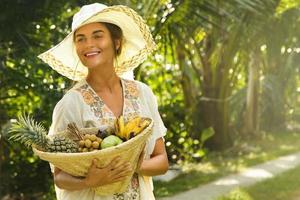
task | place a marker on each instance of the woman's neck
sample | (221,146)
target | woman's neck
(101,80)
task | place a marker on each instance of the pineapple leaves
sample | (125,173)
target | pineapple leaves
(28,132)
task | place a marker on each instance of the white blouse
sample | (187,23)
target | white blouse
(73,107)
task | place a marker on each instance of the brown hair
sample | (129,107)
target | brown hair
(116,34)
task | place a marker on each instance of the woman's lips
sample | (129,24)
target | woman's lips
(92,53)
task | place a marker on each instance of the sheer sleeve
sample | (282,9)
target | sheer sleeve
(159,129)
(67,110)
(150,108)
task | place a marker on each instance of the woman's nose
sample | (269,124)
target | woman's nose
(89,42)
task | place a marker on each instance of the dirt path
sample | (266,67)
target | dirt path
(248,177)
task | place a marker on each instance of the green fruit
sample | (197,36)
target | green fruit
(110,141)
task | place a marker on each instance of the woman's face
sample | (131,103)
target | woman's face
(94,45)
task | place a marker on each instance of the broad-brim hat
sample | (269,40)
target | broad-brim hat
(137,41)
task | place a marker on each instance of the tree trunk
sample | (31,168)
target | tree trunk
(190,94)
(215,105)
(187,86)
(251,125)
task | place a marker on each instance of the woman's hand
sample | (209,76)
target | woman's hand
(115,171)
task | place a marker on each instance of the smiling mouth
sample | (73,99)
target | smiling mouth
(92,53)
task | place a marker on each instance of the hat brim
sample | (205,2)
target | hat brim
(137,45)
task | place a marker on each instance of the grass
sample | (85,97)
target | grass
(235,159)
(285,186)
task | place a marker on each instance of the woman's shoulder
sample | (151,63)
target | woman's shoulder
(145,92)
(143,87)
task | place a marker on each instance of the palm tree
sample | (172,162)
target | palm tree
(207,38)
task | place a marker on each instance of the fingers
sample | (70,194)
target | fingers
(121,175)
(123,168)
(119,178)
(94,163)
(122,165)
(114,163)
(117,164)
(115,167)
(115,160)
(122,172)
(116,170)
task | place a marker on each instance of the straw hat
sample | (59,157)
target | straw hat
(137,41)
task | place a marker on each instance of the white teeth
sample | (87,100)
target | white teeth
(92,53)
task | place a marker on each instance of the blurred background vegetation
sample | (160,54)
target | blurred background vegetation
(224,71)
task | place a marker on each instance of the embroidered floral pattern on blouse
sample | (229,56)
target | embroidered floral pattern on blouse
(92,100)
(131,90)
(133,191)
(131,109)
(131,100)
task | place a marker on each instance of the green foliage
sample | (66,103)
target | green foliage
(286,5)
(23,174)
(206,134)
(27,85)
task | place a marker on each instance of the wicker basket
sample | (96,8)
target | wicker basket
(77,164)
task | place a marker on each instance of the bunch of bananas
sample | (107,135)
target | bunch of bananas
(132,128)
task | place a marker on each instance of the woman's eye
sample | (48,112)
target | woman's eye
(79,39)
(97,36)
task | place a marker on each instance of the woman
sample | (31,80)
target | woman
(106,43)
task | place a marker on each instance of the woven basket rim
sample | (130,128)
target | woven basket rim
(120,146)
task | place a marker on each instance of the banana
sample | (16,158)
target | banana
(130,126)
(133,132)
(135,126)
(121,127)
(144,123)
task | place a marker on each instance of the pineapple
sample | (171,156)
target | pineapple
(63,144)
(31,133)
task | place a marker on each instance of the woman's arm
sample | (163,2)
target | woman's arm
(115,171)
(66,181)
(158,162)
